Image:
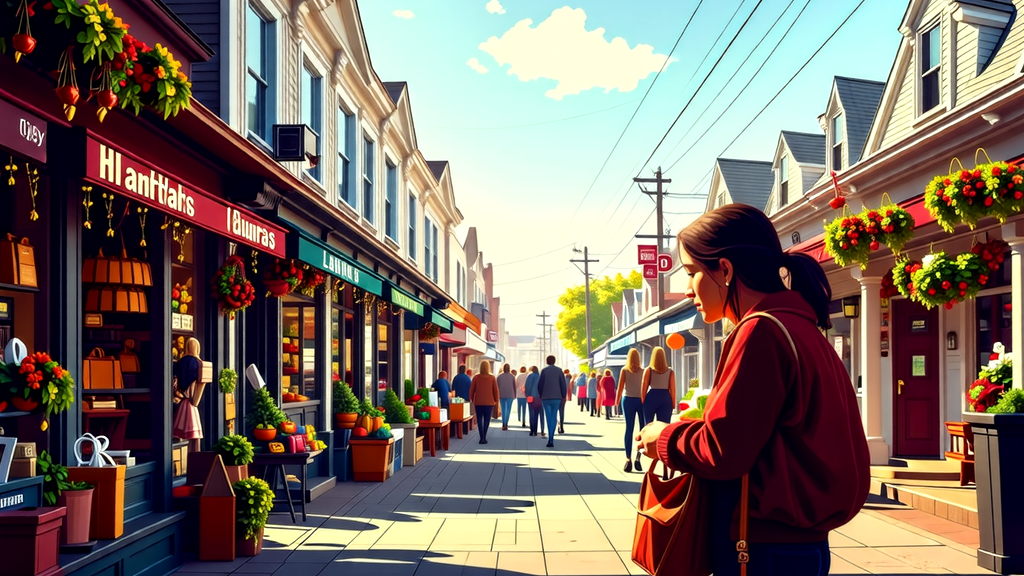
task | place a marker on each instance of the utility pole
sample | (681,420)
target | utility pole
(659,194)
(544,325)
(586,273)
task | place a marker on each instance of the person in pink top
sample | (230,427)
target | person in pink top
(607,389)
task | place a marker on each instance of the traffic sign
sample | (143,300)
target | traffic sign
(664,262)
(646,254)
(650,271)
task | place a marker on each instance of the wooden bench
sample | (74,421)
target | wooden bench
(466,422)
(961,444)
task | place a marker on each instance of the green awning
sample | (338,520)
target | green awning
(442,321)
(405,300)
(337,264)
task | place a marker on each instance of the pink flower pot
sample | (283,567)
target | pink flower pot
(79,518)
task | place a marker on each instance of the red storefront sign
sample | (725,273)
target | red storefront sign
(646,254)
(22,132)
(123,173)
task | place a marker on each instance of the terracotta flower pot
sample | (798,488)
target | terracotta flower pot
(236,473)
(251,547)
(345,420)
(79,517)
(370,459)
(277,288)
(24,405)
(264,434)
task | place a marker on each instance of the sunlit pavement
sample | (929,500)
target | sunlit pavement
(513,506)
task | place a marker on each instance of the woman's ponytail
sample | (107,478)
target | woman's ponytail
(810,281)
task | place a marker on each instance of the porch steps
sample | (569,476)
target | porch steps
(942,498)
(906,469)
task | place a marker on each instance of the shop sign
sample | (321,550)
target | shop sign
(650,271)
(127,175)
(646,254)
(7,309)
(22,132)
(492,336)
(400,298)
(339,266)
(627,340)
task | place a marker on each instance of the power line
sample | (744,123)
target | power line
(528,279)
(530,302)
(554,121)
(642,100)
(533,257)
(738,94)
(710,72)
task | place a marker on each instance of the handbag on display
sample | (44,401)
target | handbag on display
(17,262)
(129,360)
(101,371)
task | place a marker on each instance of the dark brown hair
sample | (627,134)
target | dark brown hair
(746,237)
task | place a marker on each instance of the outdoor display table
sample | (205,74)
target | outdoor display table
(269,464)
(430,430)
(469,420)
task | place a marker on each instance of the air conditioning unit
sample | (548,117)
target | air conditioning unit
(295,143)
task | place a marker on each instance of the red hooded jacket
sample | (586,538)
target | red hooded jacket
(798,432)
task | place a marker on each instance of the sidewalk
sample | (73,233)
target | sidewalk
(514,507)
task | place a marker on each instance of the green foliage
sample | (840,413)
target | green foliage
(55,476)
(228,379)
(967,196)
(95,27)
(410,388)
(253,500)
(344,401)
(689,394)
(572,320)
(395,410)
(235,450)
(694,382)
(264,410)
(847,241)
(944,281)
(697,412)
(368,409)
(1012,402)
(424,393)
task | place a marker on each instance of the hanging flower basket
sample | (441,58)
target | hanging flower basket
(993,254)
(283,277)
(430,332)
(901,276)
(847,240)
(943,280)
(311,280)
(39,381)
(231,289)
(889,225)
(889,288)
(994,189)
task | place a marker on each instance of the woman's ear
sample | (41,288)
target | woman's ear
(726,267)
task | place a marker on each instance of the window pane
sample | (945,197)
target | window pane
(931,49)
(255,41)
(837,129)
(368,199)
(306,90)
(252,107)
(784,169)
(930,91)
(837,157)
(412,226)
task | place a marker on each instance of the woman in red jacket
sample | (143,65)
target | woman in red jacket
(789,419)
(607,385)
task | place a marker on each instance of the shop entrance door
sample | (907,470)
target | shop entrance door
(915,380)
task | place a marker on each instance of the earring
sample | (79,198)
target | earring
(727,284)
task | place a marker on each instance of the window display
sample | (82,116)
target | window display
(298,349)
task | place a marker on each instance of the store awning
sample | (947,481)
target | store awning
(622,342)
(460,314)
(494,355)
(475,345)
(457,337)
(403,299)
(414,322)
(687,320)
(648,332)
(334,262)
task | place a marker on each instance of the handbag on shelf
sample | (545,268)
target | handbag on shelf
(129,360)
(101,371)
(17,262)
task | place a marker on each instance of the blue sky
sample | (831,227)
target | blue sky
(525,147)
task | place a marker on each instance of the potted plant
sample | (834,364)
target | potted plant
(410,389)
(370,418)
(237,453)
(38,381)
(283,277)
(397,415)
(996,416)
(457,409)
(228,379)
(265,416)
(75,496)
(372,453)
(346,406)
(254,500)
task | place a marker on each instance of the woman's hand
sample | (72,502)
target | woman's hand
(647,439)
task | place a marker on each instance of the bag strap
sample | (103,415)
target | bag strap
(742,546)
(97,352)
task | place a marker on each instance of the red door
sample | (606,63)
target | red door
(915,362)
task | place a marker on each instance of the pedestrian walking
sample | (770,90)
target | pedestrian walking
(658,388)
(781,425)
(581,390)
(536,406)
(444,389)
(521,404)
(628,396)
(592,393)
(461,383)
(507,393)
(607,393)
(552,389)
(565,398)
(483,393)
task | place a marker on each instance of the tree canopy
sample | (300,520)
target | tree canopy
(572,320)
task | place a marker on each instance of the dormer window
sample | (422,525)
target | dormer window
(784,181)
(931,68)
(837,142)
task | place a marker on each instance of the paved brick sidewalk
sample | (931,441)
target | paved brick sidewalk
(514,507)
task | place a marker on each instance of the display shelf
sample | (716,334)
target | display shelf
(17,288)
(14,414)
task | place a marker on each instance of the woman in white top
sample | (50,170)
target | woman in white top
(658,388)
(628,396)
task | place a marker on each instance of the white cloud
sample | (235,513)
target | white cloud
(562,49)
(476,65)
(407,14)
(495,7)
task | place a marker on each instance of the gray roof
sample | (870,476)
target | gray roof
(806,148)
(394,90)
(437,167)
(860,100)
(749,181)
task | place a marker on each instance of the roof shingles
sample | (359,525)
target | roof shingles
(749,181)
(860,99)
(806,148)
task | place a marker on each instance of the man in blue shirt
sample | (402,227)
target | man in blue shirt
(443,389)
(461,383)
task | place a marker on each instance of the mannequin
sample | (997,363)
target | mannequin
(188,390)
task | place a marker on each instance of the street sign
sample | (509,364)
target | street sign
(646,254)
(664,262)
(650,271)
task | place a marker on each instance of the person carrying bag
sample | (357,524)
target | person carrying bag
(779,457)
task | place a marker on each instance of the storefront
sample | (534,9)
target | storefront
(434,326)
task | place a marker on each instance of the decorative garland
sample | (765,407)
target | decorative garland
(430,332)
(231,289)
(994,189)
(283,277)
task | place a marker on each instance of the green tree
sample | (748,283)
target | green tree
(572,320)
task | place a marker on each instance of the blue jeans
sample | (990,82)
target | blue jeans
(632,408)
(551,414)
(506,410)
(521,409)
(536,419)
(658,406)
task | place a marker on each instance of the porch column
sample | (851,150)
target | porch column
(1013,233)
(870,362)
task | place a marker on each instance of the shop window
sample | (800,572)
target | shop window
(369,317)
(384,376)
(298,347)
(312,111)
(391,202)
(259,54)
(408,357)
(346,152)
(995,324)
